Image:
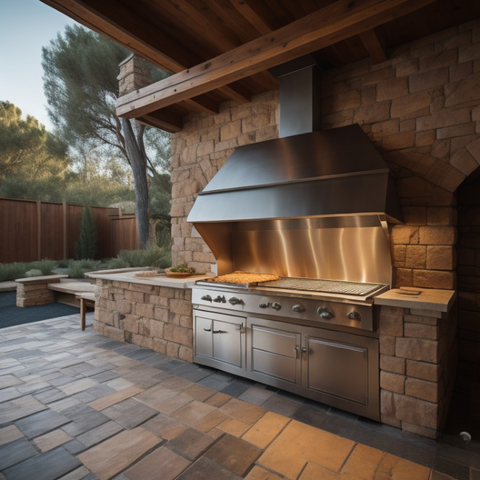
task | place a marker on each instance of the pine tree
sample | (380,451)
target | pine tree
(86,245)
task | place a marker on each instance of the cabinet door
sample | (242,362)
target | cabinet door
(341,369)
(203,336)
(227,342)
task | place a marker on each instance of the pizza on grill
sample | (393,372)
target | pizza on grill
(245,277)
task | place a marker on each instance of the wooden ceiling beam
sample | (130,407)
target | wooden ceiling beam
(162,119)
(373,46)
(251,16)
(122,26)
(336,22)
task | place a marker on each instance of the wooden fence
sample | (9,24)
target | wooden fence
(32,230)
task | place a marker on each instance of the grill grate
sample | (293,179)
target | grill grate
(326,286)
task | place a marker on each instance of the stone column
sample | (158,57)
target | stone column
(134,74)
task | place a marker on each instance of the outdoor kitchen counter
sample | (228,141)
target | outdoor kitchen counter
(157,281)
(427,299)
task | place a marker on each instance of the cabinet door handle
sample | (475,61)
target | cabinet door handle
(296,349)
(207,329)
(219,331)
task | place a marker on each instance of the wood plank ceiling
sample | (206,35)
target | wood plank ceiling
(218,50)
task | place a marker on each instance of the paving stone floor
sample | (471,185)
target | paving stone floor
(76,405)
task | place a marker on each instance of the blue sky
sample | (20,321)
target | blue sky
(25,27)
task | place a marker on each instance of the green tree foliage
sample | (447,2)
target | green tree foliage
(86,245)
(81,86)
(33,162)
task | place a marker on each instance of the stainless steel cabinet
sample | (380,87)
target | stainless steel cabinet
(219,341)
(336,368)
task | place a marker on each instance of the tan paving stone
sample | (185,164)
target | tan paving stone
(243,411)
(198,392)
(164,427)
(162,464)
(259,473)
(395,467)
(77,474)
(119,384)
(233,427)
(117,453)
(313,471)
(218,399)
(114,398)
(51,440)
(266,429)
(9,381)
(362,463)
(177,384)
(9,434)
(299,444)
(193,412)
(210,421)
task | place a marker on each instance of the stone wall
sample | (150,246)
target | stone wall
(159,318)
(417,368)
(198,152)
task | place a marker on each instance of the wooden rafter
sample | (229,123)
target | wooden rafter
(373,45)
(333,23)
(121,26)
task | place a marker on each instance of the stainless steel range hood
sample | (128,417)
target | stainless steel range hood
(320,174)
(293,205)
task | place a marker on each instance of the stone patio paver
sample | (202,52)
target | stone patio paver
(75,405)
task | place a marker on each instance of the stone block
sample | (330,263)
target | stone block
(438,235)
(129,323)
(399,253)
(428,80)
(391,325)
(387,345)
(399,141)
(407,67)
(440,258)
(230,130)
(390,363)
(160,313)
(464,92)
(423,370)
(114,333)
(434,279)
(185,353)
(416,411)
(441,216)
(177,334)
(392,88)
(426,313)
(255,122)
(456,131)
(388,127)
(438,60)
(172,349)
(417,330)
(422,320)
(474,149)
(425,138)
(404,277)
(392,382)
(167,292)
(417,349)
(138,287)
(379,76)
(422,389)
(137,297)
(405,235)
(182,307)
(387,403)
(122,306)
(144,310)
(159,345)
(415,187)
(423,431)
(415,256)
(156,328)
(444,118)
(373,113)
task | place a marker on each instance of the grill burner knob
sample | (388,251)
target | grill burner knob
(325,313)
(235,301)
(207,298)
(299,308)
(276,306)
(220,299)
(264,305)
(354,315)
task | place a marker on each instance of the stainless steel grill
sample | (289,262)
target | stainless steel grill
(325,286)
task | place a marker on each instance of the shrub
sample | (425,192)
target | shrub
(34,272)
(86,245)
(114,263)
(75,269)
(64,262)
(152,256)
(12,271)
(45,266)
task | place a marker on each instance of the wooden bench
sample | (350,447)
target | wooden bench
(83,293)
(87,300)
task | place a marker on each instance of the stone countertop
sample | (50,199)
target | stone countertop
(427,299)
(160,280)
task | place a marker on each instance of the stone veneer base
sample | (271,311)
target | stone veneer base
(159,318)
